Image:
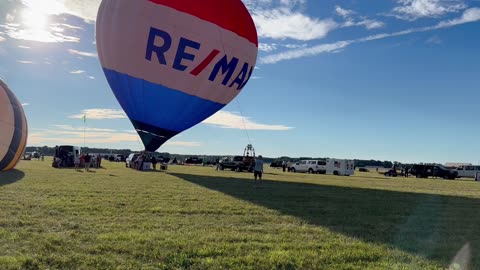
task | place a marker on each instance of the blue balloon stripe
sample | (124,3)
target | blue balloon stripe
(158,105)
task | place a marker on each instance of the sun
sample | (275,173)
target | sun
(35,25)
(33,19)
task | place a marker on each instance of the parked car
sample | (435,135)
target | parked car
(193,160)
(276,164)
(310,166)
(434,170)
(468,171)
(237,163)
(391,173)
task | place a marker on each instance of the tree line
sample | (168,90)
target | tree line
(50,151)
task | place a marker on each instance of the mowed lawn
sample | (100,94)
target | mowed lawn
(197,218)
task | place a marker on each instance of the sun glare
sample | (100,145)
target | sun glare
(34,19)
(35,25)
(36,22)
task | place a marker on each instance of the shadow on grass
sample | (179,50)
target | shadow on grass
(435,227)
(10,177)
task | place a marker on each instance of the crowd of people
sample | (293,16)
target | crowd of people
(85,161)
(143,161)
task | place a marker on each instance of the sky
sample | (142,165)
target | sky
(390,80)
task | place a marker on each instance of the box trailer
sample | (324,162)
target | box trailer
(344,167)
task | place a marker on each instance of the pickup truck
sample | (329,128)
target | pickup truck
(237,163)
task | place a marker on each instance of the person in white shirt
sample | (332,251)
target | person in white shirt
(258,169)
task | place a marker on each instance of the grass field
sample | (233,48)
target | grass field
(197,218)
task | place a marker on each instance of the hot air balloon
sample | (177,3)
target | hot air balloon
(173,63)
(13,129)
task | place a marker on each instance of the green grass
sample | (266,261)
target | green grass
(197,218)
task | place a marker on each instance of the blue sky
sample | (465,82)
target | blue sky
(395,80)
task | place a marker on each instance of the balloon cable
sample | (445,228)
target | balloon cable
(243,121)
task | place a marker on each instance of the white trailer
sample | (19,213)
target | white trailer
(344,167)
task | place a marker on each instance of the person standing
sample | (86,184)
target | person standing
(87,161)
(154,163)
(217,164)
(284,165)
(258,169)
(76,162)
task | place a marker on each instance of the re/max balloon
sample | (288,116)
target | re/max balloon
(13,129)
(173,63)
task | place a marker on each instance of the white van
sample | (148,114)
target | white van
(344,167)
(310,166)
(468,171)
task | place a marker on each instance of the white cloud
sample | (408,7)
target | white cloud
(367,23)
(352,20)
(415,9)
(71,128)
(91,77)
(34,22)
(85,9)
(23,47)
(284,23)
(298,53)
(470,15)
(46,34)
(230,120)
(69,26)
(345,13)
(76,136)
(67,134)
(267,47)
(77,71)
(295,46)
(2,39)
(434,40)
(371,24)
(292,3)
(9,18)
(99,114)
(25,62)
(87,54)
(25,104)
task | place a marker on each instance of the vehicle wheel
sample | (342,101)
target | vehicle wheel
(310,170)
(221,168)
(418,176)
(237,169)
(293,170)
(335,173)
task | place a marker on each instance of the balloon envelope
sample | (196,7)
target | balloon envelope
(13,129)
(173,63)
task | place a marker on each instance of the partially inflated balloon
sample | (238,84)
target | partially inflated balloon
(13,129)
(173,63)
